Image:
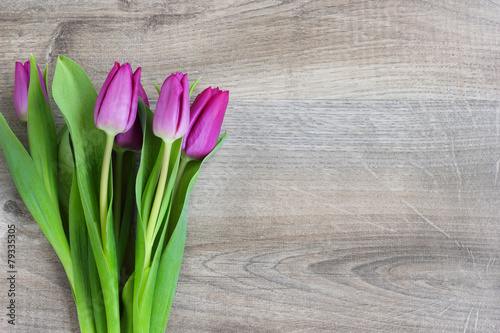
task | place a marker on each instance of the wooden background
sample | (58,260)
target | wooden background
(359,187)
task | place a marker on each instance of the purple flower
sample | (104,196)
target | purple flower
(132,139)
(171,118)
(21,86)
(116,106)
(208,111)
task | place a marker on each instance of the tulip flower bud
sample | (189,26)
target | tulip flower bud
(21,86)
(171,118)
(199,103)
(204,132)
(116,106)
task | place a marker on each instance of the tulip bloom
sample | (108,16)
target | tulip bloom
(208,111)
(171,118)
(132,139)
(116,106)
(21,86)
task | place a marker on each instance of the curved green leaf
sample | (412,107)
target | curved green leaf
(34,194)
(42,133)
(75,95)
(79,254)
(65,166)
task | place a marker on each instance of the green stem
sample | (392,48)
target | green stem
(103,204)
(155,210)
(117,192)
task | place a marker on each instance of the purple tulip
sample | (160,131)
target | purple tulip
(171,118)
(204,130)
(199,103)
(21,86)
(132,139)
(116,106)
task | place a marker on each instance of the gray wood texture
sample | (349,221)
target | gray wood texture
(358,189)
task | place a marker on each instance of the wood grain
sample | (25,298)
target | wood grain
(358,189)
(274,49)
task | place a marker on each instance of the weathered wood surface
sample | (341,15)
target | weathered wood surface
(359,188)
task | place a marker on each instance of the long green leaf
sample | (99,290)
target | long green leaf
(191,89)
(152,146)
(128,298)
(35,195)
(97,295)
(79,254)
(42,133)
(171,259)
(65,166)
(76,96)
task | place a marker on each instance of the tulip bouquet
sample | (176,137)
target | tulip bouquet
(122,256)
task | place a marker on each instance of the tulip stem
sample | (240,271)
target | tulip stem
(103,204)
(155,210)
(117,192)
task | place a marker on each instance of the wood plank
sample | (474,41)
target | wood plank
(323,216)
(273,50)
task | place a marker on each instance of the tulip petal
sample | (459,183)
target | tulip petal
(183,123)
(136,85)
(103,90)
(27,67)
(114,113)
(204,134)
(167,109)
(199,103)
(21,84)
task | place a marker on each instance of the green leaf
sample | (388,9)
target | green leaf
(128,298)
(75,96)
(149,154)
(79,254)
(65,166)
(97,295)
(157,88)
(45,77)
(35,195)
(42,134)
(171,259)
(152,147)
(193,86)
